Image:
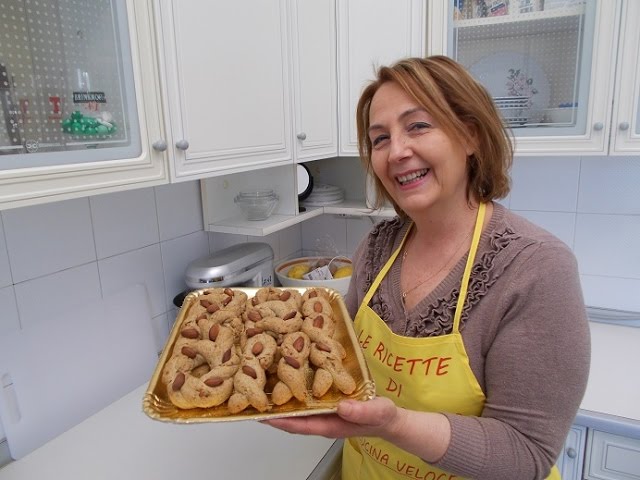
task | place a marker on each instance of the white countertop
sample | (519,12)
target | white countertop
(613,386)
(121,442)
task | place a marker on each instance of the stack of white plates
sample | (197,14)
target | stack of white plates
(323,194)
(515,110)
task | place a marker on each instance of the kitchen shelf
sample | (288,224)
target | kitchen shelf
(543,22)
(359,209)
(240,226)
(259,228)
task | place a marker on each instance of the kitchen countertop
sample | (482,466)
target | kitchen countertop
(121,442)
(612,399)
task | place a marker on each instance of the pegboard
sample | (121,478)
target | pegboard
(552,46)
(49,50)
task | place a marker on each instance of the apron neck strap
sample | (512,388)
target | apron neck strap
(385,268)
(477,231)
(464,284)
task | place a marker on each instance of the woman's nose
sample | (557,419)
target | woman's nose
(399,148)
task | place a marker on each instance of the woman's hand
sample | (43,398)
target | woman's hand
(378,417)
(424,434)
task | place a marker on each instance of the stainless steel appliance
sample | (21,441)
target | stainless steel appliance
(243,265)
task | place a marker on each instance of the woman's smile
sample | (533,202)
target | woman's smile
(412,178)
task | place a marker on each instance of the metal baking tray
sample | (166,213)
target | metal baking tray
(156,403)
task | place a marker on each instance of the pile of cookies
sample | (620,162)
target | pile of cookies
(256,352)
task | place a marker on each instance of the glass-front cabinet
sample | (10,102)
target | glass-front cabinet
(550,66)
(626,112)
(79,108)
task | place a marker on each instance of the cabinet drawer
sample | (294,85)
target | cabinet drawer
(612,457)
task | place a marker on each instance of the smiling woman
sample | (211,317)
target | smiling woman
(471,319)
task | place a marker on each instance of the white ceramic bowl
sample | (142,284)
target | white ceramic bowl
(341,285)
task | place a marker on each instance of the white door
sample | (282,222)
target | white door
(79,108)
(226,66)
(313,39)
(626,112)
(372,33)
(548,65)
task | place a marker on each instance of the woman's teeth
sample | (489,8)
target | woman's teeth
(404,179)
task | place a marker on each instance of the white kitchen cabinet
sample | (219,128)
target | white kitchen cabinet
(79,95)
(612,457)
(243,79)
(564,73)
(315,89)
(372,33)
(626,107)
(222,215)
(570,461)
(226,68)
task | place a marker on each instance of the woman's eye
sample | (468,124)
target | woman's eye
(417,126)
(377,140)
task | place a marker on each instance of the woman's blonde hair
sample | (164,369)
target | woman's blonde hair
(463,109)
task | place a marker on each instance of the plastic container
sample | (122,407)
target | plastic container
(257,204)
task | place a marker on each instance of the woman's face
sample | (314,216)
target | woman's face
(419,165)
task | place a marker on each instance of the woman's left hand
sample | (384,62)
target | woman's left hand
(377,417)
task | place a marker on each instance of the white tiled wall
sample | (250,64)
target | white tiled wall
(592,204)
(91,247)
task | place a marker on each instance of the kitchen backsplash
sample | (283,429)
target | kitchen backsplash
(92,247)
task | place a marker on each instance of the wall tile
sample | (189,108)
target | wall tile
(357,230)
(143,266)
(611,292)
(9,320)
(48,238)
(57,293)
(218,240)
(545,184)
(326,235)
(290,242)
(562,225)
(5,269)
(607,245)
(609,185)
(132,212)
(176,255)
(273,240)
(179,209)
(160,325)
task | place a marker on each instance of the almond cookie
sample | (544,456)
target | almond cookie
(316,306)
(315,292)
(248,383)
(330,370)
(189,385)
(292,369)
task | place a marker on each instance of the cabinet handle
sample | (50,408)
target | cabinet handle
(159,145)
(598,126)
(624,126)
(302,136)
(571,452)
(182,144)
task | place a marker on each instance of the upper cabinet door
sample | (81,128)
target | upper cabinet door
(549,66)
(372,33)
(626,111)
(226,66)
(78,101)
(313,41)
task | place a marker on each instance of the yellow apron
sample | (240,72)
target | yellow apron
(425,374)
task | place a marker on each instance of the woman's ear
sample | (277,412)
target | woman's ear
(472,144)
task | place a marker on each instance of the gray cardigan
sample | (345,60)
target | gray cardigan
(526,333)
